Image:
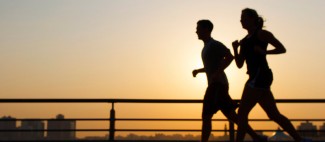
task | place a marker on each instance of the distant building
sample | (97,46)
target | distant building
(322,130)
(60,124)
(95,138)
(279,135)
(225,136)
(225,131)
(8,123)
(36,127)
(307,129)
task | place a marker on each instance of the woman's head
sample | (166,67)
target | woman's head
(250,19)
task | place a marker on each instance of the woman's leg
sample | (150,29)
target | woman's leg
(267,102)
(248,101)
(232,116)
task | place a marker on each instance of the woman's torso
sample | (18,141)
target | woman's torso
(254,60)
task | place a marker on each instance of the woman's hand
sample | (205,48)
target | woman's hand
(235,45)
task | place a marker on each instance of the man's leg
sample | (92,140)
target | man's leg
(206,127)
(209,109)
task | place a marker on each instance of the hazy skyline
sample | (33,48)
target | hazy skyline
(144,49)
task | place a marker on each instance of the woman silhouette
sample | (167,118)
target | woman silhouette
(253,51)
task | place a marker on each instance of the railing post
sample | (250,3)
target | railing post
(112,124)
(231,131)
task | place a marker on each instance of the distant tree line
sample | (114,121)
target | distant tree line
(161,136)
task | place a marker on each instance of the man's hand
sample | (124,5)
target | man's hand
(195,72)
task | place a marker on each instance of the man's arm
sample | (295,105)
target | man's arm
(224,64)
(195,72)
(227,60)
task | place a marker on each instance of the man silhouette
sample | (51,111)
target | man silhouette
(216,58)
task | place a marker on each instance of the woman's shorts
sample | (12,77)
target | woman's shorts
(262,80)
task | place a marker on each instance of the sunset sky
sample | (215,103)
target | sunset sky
(147,49)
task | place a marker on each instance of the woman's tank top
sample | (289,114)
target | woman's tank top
(254,60)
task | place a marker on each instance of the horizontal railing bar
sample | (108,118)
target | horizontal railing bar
(141,119)
(153,140)
(35,130)
(70,140)
(98,101)
(216,130)
(300,100)
(140,101)
(163,130)
(160,119)
(51,119)
(89,130)
(114,141)
(143,130)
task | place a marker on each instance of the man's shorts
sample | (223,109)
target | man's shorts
(217,98)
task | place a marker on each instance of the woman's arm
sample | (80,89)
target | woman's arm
(238,56)
(268,37)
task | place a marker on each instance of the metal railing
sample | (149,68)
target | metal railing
(112,118)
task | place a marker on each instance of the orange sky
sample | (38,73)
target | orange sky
(146,50)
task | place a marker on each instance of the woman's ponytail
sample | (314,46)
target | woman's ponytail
(260,23)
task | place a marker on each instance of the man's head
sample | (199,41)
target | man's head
(204,29)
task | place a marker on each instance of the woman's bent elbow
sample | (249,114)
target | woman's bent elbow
(283,50)
(239,65)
